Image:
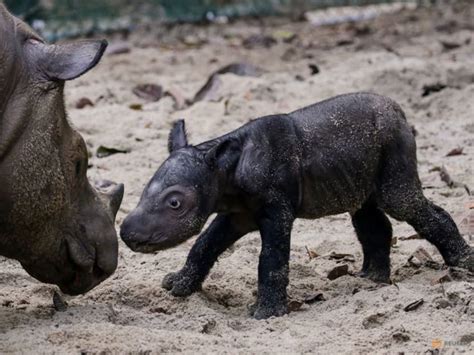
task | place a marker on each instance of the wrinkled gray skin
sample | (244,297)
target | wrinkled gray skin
(353,153)
(51,219)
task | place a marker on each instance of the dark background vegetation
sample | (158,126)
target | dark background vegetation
(184,10)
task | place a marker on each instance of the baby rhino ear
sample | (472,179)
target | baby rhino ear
(224,154)
(177,138)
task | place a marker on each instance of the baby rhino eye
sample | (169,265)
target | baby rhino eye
(174,203)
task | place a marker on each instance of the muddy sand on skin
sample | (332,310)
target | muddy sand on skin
(398,56)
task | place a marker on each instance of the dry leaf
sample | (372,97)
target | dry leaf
(148,92)
(338,271)
(177,96)
(441,278)
(411,237)
(104,151)
(318,297)
(294,305)
(210,90)
(241,69)
(83,102)
(341,256)
(118,48)
(136,107)
(444,175)
(414,305)
(429,89)
(455,151)
(449,45)
(311,253)
(259,40)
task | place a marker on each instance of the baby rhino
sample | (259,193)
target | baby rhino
(353,153)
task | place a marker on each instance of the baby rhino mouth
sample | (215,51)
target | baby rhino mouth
(149,244)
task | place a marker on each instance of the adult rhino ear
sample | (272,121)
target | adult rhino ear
(177,138)
(70,60)
(224,154)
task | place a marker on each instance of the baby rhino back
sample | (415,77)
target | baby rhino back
(343,142)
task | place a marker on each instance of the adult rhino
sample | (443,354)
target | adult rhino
(51,219)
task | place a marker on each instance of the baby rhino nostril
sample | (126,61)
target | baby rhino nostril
(133,245)
(125,234)
(129,238)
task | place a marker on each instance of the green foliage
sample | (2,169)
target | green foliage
(71,18)
(189,10)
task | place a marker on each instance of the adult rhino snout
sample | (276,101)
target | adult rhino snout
(92,264)
(93,250)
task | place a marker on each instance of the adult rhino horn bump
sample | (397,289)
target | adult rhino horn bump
(111,194)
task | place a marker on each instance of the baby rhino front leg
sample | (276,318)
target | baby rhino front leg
(221,234)
(275,229)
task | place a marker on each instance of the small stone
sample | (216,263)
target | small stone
(373,321)
(294,305)
(208,326)
(441,303)
(419,257)
(400,337)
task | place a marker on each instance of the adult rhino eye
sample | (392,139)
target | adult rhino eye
(174,203)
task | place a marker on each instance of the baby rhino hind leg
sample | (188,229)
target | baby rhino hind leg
(401,196)
(374,232)
(436,226)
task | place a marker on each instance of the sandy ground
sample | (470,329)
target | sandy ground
(397,55)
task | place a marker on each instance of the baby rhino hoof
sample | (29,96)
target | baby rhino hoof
(467,260)
(180,284)
(263,312)
(375,276)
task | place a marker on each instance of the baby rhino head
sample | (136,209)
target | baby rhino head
(180,197)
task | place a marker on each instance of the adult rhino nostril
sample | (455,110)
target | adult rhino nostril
(79,254)
(127,237)
(99,273)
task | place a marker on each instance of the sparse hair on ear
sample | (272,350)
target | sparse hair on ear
(224,154)
(177,138)
(70,60)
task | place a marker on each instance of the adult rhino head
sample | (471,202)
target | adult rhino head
(52,220)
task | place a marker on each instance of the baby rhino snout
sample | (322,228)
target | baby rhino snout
(135,231)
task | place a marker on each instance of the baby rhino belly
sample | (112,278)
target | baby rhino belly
(335,185)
